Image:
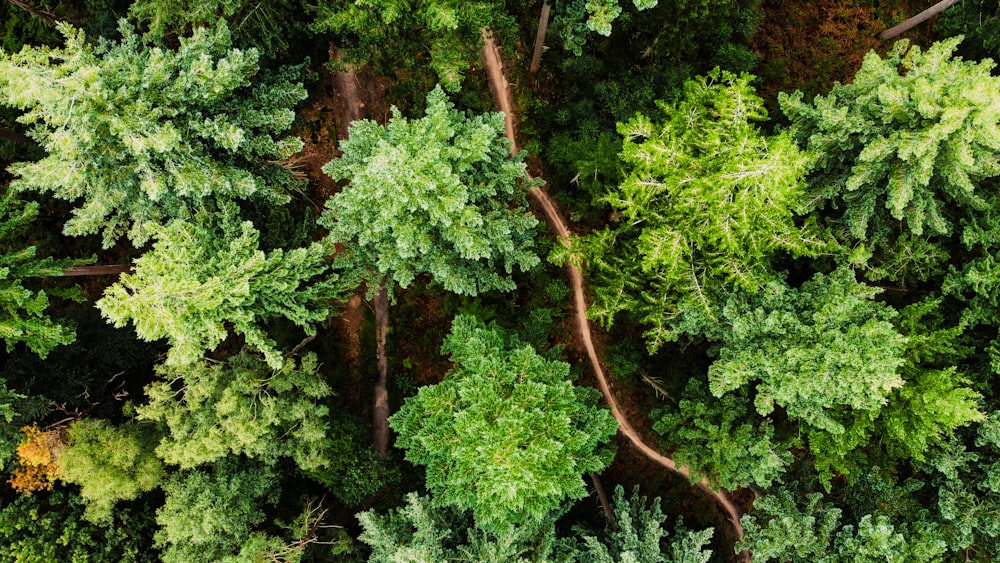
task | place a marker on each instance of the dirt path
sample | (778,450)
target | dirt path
(501,94)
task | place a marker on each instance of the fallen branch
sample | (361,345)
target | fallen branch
(917,19)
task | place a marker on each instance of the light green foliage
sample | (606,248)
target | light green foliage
(110,464)
(640,538)
(22,310)
(49,528)
(506,434)
(240,406)
(826,354)
(422,532)
(263,24)
(906,142)
(784,529)
(722,439)
(439,195)
(198,282)
(706,204)
(138,135)
(209,515)
(403,33)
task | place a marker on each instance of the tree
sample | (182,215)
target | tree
(258,24)
(383,32)
(639,536)
(110,464)
(506,434)
(204,277)
(901,150)
(140,135)
(706,205)
(722,438)
(22,310)
(211,410)
(210,515)
(438,196)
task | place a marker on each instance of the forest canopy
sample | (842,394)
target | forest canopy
(717,284)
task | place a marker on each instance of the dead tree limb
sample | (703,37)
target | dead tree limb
(543,24)
(917,19)
(35,11)
(99,270)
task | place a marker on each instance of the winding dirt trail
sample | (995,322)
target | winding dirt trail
(493,64)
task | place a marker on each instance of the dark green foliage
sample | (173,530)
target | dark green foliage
(151,134)
(23,316)
(978,21)
(266,25)
(506,434)
(722,439)
(392,35)
(45,528)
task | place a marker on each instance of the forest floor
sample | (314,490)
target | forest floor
(493,64)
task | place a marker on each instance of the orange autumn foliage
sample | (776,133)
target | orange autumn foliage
(36,458)
(810,45)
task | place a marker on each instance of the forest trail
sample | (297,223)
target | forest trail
(493,64)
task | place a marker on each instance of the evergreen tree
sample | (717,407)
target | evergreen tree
(138,135)
(506,434)
(204,278)
(706,205)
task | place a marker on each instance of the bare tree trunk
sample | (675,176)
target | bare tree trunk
(47,16)
(16,137)
(381,413)
(106,270)
(603,496)
(917,19)
(543,24)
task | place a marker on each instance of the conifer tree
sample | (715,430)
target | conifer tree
(137,135)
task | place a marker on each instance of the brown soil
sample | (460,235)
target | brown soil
(493,64)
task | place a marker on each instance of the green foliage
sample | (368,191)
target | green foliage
(396,34)
(110,464)
(722,439)
(784,528)
(51,527)
(241,406)
(978,22)
(826,354)
(639,536)
(907,142)
(139,135)
(266,25)
(422,532)
(210,515)
(706,204)
(198,281)
(439,195)
(506,434)
(16,412)
(23,315)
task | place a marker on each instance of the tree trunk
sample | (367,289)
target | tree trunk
(917,19)
(603,497)
(105,270)
(16,137)
(381,413)
(47,16)
(543,24)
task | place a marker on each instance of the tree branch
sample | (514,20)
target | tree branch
(917,19)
